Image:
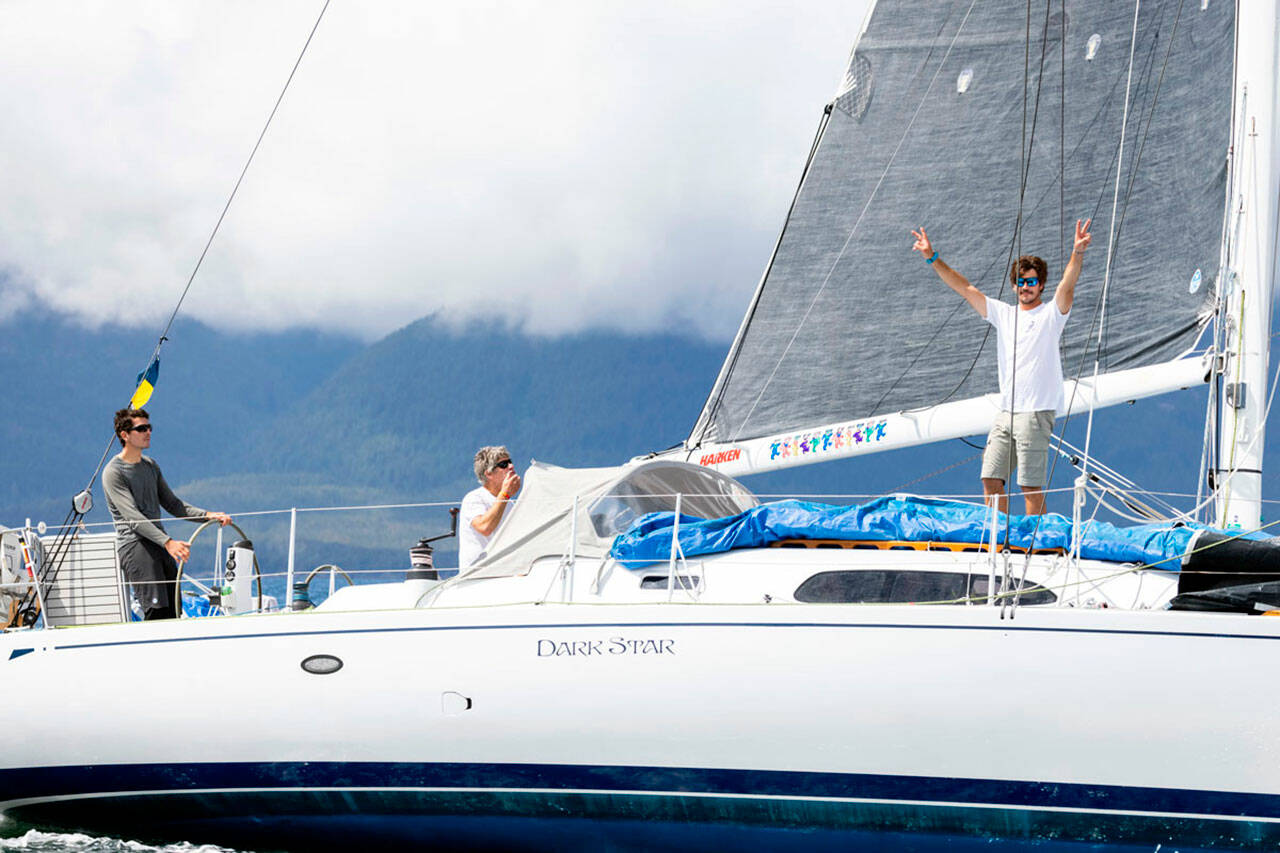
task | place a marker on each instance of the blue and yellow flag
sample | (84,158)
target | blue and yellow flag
(147,380)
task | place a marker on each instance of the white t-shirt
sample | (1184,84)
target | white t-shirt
(1038,379)
(471,543)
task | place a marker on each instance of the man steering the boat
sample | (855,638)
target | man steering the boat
(136,491)
(1030,365)
(483,508)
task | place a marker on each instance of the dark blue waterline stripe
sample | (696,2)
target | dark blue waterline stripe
(601,625)
(122,779)
(565,822)
(17,653)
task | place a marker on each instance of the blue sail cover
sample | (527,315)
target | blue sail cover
(897,519)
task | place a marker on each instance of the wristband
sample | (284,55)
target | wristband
(934,258)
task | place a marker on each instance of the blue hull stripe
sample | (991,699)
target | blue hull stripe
(1005,627)
(59,782)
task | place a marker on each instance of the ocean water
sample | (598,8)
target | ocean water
(847,842)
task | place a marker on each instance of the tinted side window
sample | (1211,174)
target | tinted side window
(1032,593)
(900,587)
(906,587)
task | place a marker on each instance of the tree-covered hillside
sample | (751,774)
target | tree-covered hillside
(255,424)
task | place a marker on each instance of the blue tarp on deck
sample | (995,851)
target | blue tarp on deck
(897,518)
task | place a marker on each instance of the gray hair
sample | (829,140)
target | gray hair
(487,457)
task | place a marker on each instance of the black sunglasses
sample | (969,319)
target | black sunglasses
(505,463)
(140,428)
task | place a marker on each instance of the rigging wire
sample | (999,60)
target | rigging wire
(1026,151)
(985,274)
(1100,310)
(1025,170)
(1094,319)
(61,544)
(932,474)
(1211,456)
(718,391)
(1062,141)
(716,397)
(857,222)
(1111,235)
(164,334)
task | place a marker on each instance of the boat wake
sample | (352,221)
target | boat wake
(75,842)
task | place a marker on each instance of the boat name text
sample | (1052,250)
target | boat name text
(600,648)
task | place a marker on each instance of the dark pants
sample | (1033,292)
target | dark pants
(153,575)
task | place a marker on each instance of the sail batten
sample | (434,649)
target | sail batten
(927,130)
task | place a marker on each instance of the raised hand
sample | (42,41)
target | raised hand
(1083,237)
(922,245)
(511,484)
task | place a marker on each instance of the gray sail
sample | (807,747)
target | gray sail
(943,105)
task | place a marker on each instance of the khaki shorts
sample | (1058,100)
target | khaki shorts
(1031,431)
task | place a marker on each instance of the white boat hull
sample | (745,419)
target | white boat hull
(800,722)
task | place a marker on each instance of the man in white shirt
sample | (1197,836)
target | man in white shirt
(1027,338)
(483,508)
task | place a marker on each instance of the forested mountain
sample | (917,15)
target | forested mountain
(271,421)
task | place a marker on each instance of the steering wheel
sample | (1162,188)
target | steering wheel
(177,586)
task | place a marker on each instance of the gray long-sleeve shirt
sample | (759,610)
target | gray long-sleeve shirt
(135,493)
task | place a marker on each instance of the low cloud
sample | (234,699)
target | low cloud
(558,165)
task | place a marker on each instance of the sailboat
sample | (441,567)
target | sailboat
(648,655)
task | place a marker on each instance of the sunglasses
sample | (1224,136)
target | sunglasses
(140,428)
(1028,282)
(505,463)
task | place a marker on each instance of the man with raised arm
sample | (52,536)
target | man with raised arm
(136,490)
(1027,336)
(483,508)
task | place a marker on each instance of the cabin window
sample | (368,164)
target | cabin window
(653,488)
(1032,593)
(904,587)
(689,582)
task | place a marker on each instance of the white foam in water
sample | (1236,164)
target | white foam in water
(74,842)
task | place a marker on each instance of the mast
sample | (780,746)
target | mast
(1250,273)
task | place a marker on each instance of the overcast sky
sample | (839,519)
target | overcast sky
(557,164)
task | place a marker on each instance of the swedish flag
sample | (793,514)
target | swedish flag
(147,380)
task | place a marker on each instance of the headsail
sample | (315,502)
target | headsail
(938,106)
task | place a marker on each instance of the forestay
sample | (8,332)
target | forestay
(929,129)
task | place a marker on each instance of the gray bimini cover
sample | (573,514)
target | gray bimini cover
(942,104)
(541,522)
